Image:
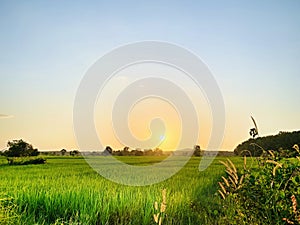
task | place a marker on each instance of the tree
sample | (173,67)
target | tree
(63,151)
(74,153)
(20,148)
(158,152)
(108,150)
(283,143)
(197,150)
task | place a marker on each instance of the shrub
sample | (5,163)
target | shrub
(25,161)
(263,194)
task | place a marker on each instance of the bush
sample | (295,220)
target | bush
(25,161)
(264,194)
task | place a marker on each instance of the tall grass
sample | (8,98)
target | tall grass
(66,190)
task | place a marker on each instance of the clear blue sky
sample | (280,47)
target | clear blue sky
(252,47)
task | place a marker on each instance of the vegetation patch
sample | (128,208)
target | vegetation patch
(8,213)
(281,143)
(264,194)
(26,161)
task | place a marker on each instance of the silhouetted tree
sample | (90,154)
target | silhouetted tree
(63,151)
(108,150)
(74,153)
(20,148)
(158,152)
(148,152)
(197,150)
(281,143)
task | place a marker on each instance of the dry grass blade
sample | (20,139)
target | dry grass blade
(224,163)
(158,215)
(277,165)
(162,207)
(274,162)
(288,221)
(230,169)
(164,194)
(275,168)
(294,201)
(296,147)
(155,205)
(222,187)
(221,193)
(233,176)
(271,153)
(245,162)
(233,182)
(241,179)
(226,181)
(232,165)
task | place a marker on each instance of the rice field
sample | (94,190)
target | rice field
(66,190)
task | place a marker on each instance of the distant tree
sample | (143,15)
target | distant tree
(138,152)
(282,143)
(20,148)
(197,150)
(125,151)
(148,152)
(158,152)
(108,150)
(74,153)
(63,151)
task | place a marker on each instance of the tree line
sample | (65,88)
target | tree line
(146,152)
(20,148)
(282,143)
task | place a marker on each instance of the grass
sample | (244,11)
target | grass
(66,190)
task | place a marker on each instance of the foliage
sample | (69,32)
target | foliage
(63,151)
(197,150)
(134,152)
(266,193)
(25,161)
(20,148)
(282,142)
(8,213)
(74,153)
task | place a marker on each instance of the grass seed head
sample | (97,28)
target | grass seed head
(296,147)
(164,193)
(294,201)
(226,181)
(222,194)
(155,205)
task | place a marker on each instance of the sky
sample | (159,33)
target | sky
(46,48)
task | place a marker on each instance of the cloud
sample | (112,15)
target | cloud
(3,116)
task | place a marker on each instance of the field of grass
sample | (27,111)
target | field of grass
(66,190)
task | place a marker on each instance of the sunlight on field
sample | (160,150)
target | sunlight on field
(67,189)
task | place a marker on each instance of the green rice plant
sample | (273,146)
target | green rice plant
(8,213)
(67,190)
